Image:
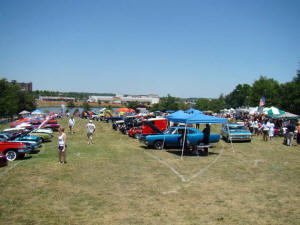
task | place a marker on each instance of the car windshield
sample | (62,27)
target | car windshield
(8,135)
(2,139)
(237,128)
(170,130)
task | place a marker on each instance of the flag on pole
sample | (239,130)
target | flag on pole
(262,102)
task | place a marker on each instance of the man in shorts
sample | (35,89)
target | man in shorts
(90,131)
(71,124)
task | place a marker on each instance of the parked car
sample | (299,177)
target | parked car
(21,129)
(235,132)
(13,150)
(112,119)
(45,137)
(30,142)
(172,138)
(150,126)
(116,125)
(3,160)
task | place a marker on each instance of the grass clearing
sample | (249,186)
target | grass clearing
(115,182)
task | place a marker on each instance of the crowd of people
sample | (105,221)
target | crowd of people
(268,128)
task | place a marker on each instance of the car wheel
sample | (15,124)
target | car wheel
(11,155)
(158,145)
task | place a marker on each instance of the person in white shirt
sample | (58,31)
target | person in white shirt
(90,131)
(271,126)
(71,124)
(62,146)
(265,129)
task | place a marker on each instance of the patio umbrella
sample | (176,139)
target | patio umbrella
(24,112)
(36,112)
(274,111)
(125,110)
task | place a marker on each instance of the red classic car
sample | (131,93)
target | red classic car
(13,150)
(150,126)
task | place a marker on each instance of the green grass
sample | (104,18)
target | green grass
(115,182)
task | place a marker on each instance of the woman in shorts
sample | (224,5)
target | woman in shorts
(62,137)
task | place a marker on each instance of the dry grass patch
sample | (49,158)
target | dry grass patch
(114,182)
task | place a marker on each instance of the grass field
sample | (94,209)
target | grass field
(117,181)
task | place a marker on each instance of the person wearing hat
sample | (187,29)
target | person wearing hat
(90,131)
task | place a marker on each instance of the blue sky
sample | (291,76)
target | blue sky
(200,48)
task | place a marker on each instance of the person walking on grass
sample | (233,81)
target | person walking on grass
(271,126)
(90,131)
(290,135)
(62,137)
(265,130)
(71,124)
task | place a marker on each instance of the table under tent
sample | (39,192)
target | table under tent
(195,118)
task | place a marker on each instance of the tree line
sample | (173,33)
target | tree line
(285,96)
(77,95)
(13,100)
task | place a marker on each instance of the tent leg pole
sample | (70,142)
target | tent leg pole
(183,142)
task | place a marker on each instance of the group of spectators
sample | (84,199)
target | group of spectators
(268,128)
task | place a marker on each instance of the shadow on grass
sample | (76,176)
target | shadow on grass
(185,153)
(25,158)
(34,152)
(190,153)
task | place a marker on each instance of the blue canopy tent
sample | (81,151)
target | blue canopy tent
(178,116)
(195,118)
(192,111)
(204,119)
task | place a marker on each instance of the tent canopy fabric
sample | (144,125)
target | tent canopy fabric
(274,111)
(178,116)
(192,110)
(285,115)
(196,118)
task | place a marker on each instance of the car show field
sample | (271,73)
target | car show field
(118,180)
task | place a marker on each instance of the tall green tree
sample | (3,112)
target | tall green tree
(290,95)
(8,98)
(202,104)
(240,96)
(26,101)
(265,87)
(131,104)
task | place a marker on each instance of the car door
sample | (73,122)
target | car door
(194,137)
(173,139)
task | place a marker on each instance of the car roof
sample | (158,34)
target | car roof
(153,119)
(235,125)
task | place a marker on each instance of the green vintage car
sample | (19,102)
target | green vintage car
(235,132)
(45,137)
